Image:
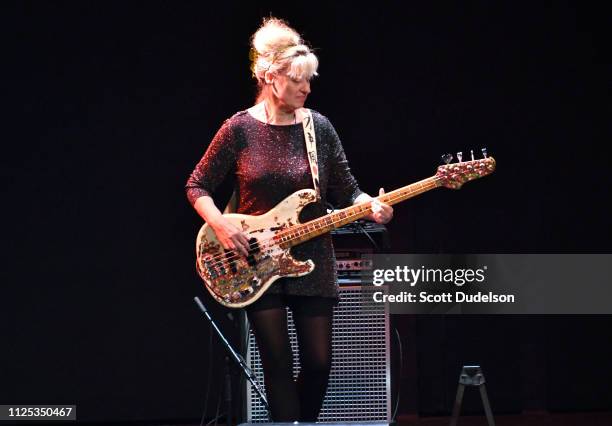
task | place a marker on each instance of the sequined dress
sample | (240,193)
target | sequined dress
(268,163)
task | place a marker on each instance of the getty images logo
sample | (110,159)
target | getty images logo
(413,276)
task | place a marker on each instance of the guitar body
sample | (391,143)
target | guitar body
(236,281)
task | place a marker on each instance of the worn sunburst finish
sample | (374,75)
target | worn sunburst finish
(236,281)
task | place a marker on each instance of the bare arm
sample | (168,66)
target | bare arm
(230,236)
(206,208)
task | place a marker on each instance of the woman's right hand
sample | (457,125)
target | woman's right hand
(230,236)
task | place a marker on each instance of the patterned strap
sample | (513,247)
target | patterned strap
(311,148)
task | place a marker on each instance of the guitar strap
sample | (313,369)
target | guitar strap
(311,151)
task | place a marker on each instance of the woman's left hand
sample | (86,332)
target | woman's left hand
(381,212)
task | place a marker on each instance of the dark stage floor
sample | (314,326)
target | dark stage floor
(529,419)
(535,419)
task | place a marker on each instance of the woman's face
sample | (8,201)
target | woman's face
(291,93)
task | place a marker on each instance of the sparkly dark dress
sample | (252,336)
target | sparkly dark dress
(269,163)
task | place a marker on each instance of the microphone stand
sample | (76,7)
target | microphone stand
(239,360)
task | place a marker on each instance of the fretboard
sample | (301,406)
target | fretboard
(306,231)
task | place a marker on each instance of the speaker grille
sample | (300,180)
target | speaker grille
(359,386)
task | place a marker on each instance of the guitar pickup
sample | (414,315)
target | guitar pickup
(212,272)
(230,257)
(253,250)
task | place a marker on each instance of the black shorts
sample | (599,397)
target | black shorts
(299,305)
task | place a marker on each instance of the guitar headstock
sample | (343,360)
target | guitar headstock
(454,175)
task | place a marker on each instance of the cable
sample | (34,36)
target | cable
(247,330)
(216,418)
(399,382)
(217,415)
(367,234)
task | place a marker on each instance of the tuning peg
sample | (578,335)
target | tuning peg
(447,158)
(484,152)
(459,156)
(472,154)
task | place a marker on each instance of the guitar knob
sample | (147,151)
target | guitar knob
(460,156)
(484,152)
(447,158)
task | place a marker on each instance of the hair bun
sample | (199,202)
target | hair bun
(276,47)
(274,37)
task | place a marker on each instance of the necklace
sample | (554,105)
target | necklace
(268,117)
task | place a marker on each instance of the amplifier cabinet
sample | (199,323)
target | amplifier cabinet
(359,386)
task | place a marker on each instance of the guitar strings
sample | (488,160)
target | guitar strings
(235,256)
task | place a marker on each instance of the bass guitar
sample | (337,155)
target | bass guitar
(236,281)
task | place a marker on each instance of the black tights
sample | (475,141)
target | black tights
(291,400)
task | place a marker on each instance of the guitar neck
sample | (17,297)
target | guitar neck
(304,232)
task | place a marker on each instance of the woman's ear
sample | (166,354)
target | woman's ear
(269,77)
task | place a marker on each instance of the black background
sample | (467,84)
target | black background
(109,105)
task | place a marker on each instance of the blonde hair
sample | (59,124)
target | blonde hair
(278,48)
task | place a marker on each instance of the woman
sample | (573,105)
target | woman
(263,149)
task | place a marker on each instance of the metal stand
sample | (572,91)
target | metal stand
(471,375)
(239,360)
